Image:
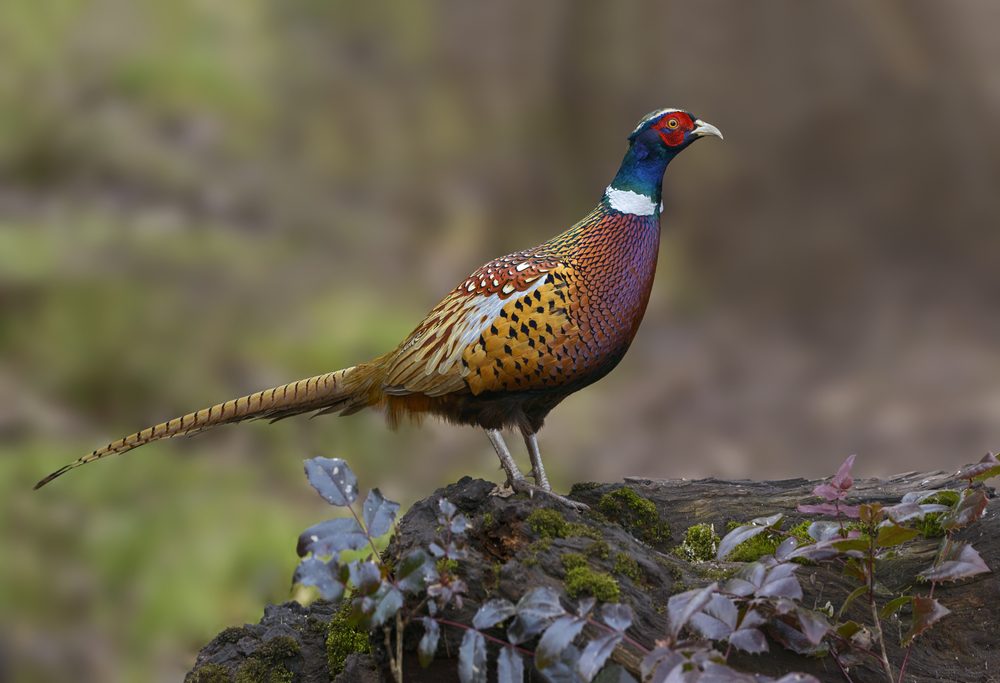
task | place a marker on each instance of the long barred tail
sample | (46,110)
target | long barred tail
(343,390)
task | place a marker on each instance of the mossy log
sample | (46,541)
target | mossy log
(625,546)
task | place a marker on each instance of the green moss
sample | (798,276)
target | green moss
(531,552)
(278,648)
(583,487)
(547,523)
(714,572)
(584,580)
(930,525)
(755,548)
(447,565)
(489,521)
(637,514)
(233,634)
(260,671)
(626,565)
(210,673)
(801,533)
(699,544)
(573,561)
(493,581)
(599,549)
(343,639)
(551,524)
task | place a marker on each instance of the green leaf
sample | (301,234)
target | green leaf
(855,594)
(893,534)
(894,605)
(860,544)
(848,629)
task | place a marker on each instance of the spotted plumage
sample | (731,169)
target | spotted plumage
(513,339)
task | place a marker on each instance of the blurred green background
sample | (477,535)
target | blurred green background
(202,198)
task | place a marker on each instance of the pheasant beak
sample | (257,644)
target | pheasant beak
(701,129)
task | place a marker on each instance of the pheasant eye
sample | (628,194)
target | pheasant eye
(672,123)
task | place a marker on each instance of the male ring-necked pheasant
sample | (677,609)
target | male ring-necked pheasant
(513,339)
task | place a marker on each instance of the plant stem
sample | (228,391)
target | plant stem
(840,666)
(631,641)
(371,541)
(487,636)
(399,644)
(876,621)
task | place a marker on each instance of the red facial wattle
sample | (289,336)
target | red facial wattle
(673,136)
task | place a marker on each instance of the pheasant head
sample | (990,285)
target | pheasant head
(655,141)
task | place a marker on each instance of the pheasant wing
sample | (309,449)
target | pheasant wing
(505,328)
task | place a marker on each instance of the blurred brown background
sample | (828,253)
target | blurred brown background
(200,199)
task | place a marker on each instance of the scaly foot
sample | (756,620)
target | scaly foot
(524,486)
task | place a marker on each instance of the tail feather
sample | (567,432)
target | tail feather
(335,391)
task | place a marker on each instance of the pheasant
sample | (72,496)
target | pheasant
(511,341)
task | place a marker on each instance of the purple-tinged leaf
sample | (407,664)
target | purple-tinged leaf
(786,547)
(781,582)
(715,672)
(458,525)
(388,601)
(969,509)
(908,510)
(379,513)
(793,639)
(447,509)
(747,581)
(540,603)
(617,616)
(682,606)
(824,531)
(750,640)
(926,613)
(365,576)
(315,572)
(557,636)
(585,607)
(892,534)
(595,654)
(493,613)
(415,571)
(717,619)
(829,492)
(472,658)
(751,618)
(564,670)
(330,537)
(332,479)
(535,611)
(960,561)
(510,666)
(986,468)
(831,510)
(842,479)
(428,642)
(894,606)
(736,537)
(658,663)
(814,625)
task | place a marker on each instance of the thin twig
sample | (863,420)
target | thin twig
(487,636)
